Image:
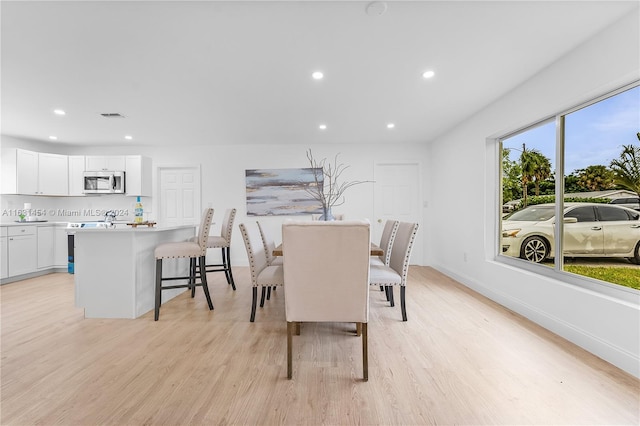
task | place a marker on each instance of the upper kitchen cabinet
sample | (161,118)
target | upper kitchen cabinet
(112,163)
(76,170)
(33,173)
(53,174)
(138,175)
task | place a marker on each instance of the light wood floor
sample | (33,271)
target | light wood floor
(460,359)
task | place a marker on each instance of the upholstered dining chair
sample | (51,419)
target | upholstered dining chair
(395,274)
(223,242)
(269,246)
(315,292)
(192,250)
(262,274)
(386,242)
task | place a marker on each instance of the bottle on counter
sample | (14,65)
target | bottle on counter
(138,212)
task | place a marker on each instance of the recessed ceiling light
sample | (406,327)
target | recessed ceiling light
(390,126)
(53,138)
(322,127)
(59,112)
(317,75)
(428,74)
(128,137)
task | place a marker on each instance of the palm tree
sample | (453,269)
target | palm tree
(627,168)
(529,164)
(542,169)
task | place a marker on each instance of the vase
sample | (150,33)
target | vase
(326,214)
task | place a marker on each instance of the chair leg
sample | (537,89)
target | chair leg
(390,293)
(203,280)
(386,292)
(158,288)
(230,274)
(192,276)
(224,265)
(365,353)
(253,304)
(264,293)
(403,306)
(290,326)
(268,293)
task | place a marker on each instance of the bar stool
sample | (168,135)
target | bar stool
(193,250)
(223,242)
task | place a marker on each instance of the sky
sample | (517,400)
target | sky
(594,135)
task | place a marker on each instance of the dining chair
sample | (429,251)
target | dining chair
(223,242)
(315,292)
(386,242)
(192,250)
(269,246)
(262,274)
(395,274)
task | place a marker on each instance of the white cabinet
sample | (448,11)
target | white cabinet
(60,250)
(95,163)
(27,172)
(34,173)
(138,175)
(53,174)
(21,250)
(76,170)
(4,264)
(46,236)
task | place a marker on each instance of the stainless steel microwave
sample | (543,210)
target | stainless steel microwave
(103,183)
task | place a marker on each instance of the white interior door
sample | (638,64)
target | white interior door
(179,196)
(397,196)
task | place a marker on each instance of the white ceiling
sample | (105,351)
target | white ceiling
(209,72)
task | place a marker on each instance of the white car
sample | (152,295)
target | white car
(590,230)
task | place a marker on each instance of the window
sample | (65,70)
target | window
(598,181)
(582,214)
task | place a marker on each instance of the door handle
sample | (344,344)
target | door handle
(596,228)
(635,226)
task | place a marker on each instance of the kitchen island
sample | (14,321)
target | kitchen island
(115,269)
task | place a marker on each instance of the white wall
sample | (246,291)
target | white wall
(463,158)
(223,179)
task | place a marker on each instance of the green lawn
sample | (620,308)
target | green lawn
(628,277)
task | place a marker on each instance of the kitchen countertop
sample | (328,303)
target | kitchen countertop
(48,222)
(121,227)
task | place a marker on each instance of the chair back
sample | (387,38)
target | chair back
(386,240)
(268,243)
(205,227)
(227,224)
(255,250)
(326,270)
(401,250)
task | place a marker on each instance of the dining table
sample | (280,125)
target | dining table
(375,250)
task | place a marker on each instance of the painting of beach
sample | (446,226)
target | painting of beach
(281,192)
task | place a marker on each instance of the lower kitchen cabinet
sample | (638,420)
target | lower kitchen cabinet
(61,249)
(46,247)
(4,265)
(21,247)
